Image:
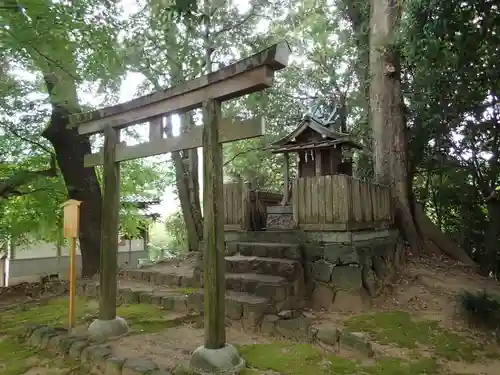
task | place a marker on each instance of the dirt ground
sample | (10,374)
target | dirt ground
(414,326)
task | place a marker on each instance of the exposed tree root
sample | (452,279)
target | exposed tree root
(439,239)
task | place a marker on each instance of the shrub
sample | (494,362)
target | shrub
(481,309)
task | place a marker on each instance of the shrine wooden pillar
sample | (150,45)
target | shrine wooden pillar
(286,178)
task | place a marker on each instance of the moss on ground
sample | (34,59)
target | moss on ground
(305,359)
(397,328)
(145,318)
(14,356)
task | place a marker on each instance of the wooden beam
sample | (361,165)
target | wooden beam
(109,228)
(213,234)
(264,62)
(156,128)
(230,130)
(255,80)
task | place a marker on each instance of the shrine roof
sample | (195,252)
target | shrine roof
(330,137)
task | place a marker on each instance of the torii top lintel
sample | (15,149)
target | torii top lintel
(243,77)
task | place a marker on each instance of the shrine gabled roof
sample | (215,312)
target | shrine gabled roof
(310,123)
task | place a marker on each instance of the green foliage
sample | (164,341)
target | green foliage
(176,230)
(482,309)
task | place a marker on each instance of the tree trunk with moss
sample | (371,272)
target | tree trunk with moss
(387,116)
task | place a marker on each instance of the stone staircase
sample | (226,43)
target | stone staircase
(261,279)
(267,270)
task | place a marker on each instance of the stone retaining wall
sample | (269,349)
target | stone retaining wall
(100,359)
(340,267)
(339,273)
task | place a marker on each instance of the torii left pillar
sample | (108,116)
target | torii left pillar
(109,325)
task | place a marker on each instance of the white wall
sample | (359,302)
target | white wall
(36,260)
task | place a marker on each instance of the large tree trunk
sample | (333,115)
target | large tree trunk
(82,183)
(188,186)
(387,114)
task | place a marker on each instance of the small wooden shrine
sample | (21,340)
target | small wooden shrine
(322,195)
(321,143)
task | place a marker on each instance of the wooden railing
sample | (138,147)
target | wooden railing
(245,208)
(235,206)
(340,202)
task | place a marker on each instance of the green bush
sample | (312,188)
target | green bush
(177,233)
(481,309)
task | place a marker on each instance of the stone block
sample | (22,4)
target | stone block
(113,366)
(148,276)
(231,248)
(138,366)
(40,334)
(167,303)
(80,289)
(76,348)
(275,293)
(358,341)
(187,281)
(95,353)
(297,328)
(322,296)
(195,302)
(29,328)
(180,303)
(245,249)
(159,279)
(346,277)
(44,343)
(146,297)
(252,315)
(322,271)
(328,335)
(234,309)
(92,290)
(65,343)
(260,250)
(341,254)
(172,279)
(156,299)
(53,343)
(277,252)
(135,274)
(129,296)
(268,324)
(348,302)
(313,252)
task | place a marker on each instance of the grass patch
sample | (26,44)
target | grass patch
(398,328)
(53,313)
(144,318)
(187,290)
(294,359)
(13,356)
(398,366)
(305,359)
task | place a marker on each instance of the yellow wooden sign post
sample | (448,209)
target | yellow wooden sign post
(71,229)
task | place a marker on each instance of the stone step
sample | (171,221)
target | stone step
(155,277)
(265,249)
(287,268)
(275,288)
(239,305)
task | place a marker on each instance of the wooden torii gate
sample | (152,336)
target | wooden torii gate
(249,75)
